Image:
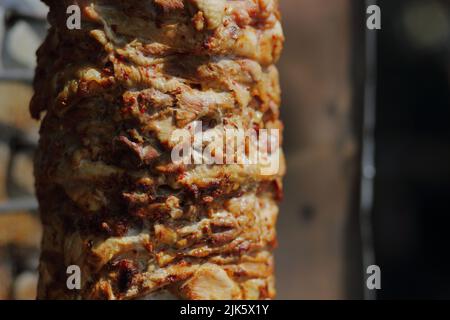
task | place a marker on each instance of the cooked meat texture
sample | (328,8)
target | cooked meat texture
(111,199)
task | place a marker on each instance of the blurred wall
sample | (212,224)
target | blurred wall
(20,230)
(315,258)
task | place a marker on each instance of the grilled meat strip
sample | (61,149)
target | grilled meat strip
(112,201)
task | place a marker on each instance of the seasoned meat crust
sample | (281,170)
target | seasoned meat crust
(112,201)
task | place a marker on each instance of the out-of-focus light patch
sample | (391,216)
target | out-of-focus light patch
(25,286)
(22,43)
(426,24)
(37,6)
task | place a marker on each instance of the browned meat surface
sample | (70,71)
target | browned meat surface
(111,199)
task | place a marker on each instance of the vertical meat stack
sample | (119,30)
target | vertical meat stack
(112,200)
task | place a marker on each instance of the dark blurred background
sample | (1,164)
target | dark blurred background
(326,240)
(412,189)
(323,70)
